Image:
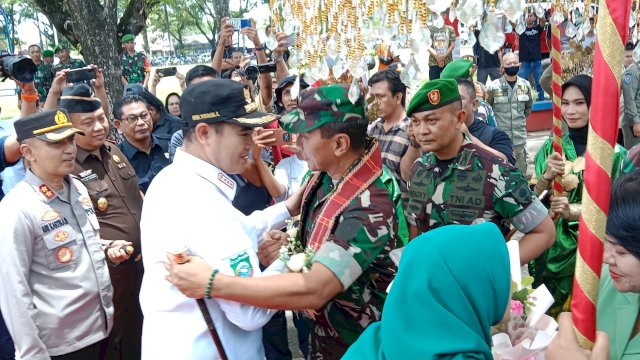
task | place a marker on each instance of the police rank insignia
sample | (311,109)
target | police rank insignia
(434,96)
(116,158)
(48,193)
(64,255)
(103,204)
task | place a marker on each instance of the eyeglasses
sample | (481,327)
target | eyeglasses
(134,118)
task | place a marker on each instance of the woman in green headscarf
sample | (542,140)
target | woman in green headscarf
(555,267)
(453,283)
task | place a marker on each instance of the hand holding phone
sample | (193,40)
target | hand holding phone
(276,137)
(168,71)
(240,23)
(82,74)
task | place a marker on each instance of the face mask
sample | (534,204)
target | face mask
(511,70)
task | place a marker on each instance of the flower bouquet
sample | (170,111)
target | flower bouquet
(293,254)
(526,333)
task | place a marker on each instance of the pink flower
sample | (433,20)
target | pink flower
(517,308)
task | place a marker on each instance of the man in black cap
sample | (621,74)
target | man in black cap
(113,189)
(55,293)
(284,101)
(140,145)
(164,125)
(218,118)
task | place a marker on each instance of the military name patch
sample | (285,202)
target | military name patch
(48,227)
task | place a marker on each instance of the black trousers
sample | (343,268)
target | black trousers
(94,351)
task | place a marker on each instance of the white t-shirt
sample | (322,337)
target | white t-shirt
(289,173)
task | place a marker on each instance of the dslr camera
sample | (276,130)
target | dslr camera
(18,67)
(252,71)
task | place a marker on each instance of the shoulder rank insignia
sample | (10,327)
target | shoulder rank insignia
(116,158)
(48,193)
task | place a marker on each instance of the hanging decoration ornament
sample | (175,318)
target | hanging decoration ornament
(513,9)
(492,37)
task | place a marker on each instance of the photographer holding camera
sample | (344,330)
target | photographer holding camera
(225,36)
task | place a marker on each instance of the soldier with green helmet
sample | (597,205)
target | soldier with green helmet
(457,182)
(349,224)
(44,74)
(66,61)
(134,68)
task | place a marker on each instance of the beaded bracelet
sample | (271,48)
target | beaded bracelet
(29,97)
(213,275)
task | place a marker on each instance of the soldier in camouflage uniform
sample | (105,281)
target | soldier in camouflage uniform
(44,74)
(349,222)
(457,182)
(66,61)
(134,68)
(47,56)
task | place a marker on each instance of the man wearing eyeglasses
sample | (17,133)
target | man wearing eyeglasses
(140,146)
(114,193)
(134,64)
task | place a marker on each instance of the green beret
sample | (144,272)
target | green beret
(323,105)
(47,53)
(59,48)
(126,38)
(433,95)
(458,69)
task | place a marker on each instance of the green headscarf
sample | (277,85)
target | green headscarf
(453,283)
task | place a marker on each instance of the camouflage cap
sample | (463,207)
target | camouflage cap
(433,95)
(323,105)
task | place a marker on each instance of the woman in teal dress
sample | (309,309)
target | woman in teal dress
(555,267)
(453,283)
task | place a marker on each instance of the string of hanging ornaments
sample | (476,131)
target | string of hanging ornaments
(336,39)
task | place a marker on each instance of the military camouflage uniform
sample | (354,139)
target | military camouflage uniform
(42,80)
(511,108)
(133,67)
(72,64)
(365,231)
(362,240)
(477,185)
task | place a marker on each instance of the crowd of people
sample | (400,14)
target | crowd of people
(189,234)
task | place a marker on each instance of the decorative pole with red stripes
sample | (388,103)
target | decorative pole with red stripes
(556,68)
(612,32)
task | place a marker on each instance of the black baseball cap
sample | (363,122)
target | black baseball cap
(221,100)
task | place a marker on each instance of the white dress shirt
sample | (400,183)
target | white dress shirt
(189,204)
